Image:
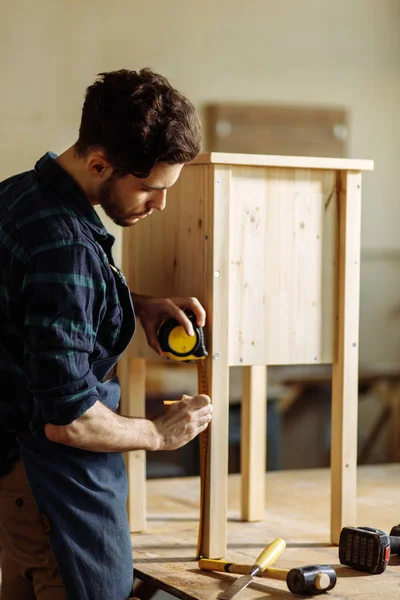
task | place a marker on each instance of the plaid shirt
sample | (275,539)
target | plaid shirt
(59,307)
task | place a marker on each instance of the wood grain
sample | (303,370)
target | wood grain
(282,266)
(345,364)
(253,446)
(216,291)
(270,247)
(297,505)
(292,162)
(132,378)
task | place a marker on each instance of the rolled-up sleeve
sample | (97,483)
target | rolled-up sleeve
(64,297)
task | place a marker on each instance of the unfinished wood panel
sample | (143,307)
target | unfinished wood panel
(291,162)
(216,287)
(283,266)
(275,129)
(345,364)
(131,372)
(179,251)
(253,457)
(168,249)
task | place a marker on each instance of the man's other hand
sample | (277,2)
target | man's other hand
(183,421)
(152,312)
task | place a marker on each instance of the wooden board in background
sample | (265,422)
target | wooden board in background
(275,129)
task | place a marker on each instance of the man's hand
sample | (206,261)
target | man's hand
(153,311)
(182,421)
(101,430)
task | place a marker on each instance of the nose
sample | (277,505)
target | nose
(159,200)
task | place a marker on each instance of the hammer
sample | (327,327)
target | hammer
(310,580)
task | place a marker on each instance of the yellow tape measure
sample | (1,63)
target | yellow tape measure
(204,457)
(178,345)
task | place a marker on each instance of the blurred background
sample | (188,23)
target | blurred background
(309,77)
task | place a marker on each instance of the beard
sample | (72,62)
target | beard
(109,203)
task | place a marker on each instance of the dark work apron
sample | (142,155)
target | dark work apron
(82,495)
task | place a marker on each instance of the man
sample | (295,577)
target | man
(66,316)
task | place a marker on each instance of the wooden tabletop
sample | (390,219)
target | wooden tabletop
(296,509)
(296,162)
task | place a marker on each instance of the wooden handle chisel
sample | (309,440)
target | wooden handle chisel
(222,566)
(267,557)
(306,580)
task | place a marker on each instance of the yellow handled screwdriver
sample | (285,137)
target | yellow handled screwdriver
(267,557)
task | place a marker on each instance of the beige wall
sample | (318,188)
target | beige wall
(309,51)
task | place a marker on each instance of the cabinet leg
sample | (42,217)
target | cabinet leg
(253,442)
(215,513)
(345,365)
(132,373)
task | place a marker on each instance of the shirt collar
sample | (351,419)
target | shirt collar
(51,173)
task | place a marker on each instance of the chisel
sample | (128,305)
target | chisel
(264,560)
(306,580)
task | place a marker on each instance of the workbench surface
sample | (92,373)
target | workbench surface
(296,509)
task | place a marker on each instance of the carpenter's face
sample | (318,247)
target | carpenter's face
(128,199)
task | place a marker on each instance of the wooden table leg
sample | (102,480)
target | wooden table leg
(132,373)
(216,300)
(253,441)
(215,514)
(345,365)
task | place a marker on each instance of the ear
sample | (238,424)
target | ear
(98,165)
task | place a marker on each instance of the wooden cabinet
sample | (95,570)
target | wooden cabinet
(271,247)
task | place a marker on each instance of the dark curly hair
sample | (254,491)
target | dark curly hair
(138,119)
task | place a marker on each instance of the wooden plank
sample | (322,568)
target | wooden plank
(345,365)
(216,290)
(253,441)
(297,130)
(131,373)
(168,249)
(296,509)
(283,266)
(296,162)
(192,260)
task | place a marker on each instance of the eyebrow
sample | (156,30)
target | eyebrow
(154,187)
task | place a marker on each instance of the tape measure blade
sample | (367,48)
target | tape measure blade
(203,442)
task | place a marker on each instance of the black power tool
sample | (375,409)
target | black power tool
(368,549)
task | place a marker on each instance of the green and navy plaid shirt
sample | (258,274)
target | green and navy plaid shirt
(59,307)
